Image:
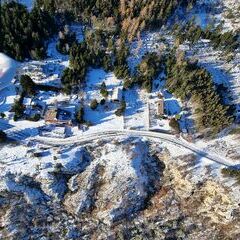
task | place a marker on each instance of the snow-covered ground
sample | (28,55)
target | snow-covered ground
(28,3)
(214,12)
(104,116)
(140,111)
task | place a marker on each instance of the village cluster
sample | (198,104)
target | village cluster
(57,112)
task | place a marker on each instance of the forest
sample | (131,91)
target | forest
(226,41)
(188,81)
(125,18)
(24,33)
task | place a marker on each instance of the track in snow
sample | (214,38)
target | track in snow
(87,138)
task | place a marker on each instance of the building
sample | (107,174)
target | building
(51,115)
(58,116)
(117,94)
(160,107)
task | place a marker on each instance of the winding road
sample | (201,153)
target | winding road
(88,138)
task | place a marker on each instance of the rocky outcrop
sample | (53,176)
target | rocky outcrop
(117,185)
(126,189)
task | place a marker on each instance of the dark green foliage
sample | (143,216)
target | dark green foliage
(188,81)
(90,53)
(227,41)
(47,88)
(94,104)
(18,108)
(121,69)
(235,131)
(79,62)
(107,63)
(121,109)
(128,83)
(24,33)
(66,40)
(69,79)
(35,118)
(102,102)
(28,86)
(3,136)
(120,16)
(173,123)
(103,90)
(2,115)
(232,172)
(121,54)
(149,68)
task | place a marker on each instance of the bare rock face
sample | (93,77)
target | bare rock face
(115,185)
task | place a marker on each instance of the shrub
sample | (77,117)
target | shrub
(3,136)
(173,123)
(28,86)
(102,102)
(2,115)
(119,112)
(103,90)
(35,118)
(94,104)
(18,108)
(79,115)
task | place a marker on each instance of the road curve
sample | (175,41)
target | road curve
(87,138)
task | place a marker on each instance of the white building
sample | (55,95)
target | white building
(117,94)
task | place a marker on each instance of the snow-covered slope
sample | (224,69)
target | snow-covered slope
(91,192)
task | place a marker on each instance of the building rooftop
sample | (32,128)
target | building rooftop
(117,94)
(160,107)
(51,114)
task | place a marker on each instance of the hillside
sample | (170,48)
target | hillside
(119,119)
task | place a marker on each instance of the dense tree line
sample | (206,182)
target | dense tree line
(121,53)
(188,81)
(24,33)
(149,68)
(66,40)
(80,59)
(97,51)
(127,17)
(228,41)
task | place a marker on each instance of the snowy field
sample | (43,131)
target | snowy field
(104,116)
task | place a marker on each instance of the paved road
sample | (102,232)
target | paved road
(87,138)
